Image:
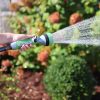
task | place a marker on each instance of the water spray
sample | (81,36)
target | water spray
(85,32)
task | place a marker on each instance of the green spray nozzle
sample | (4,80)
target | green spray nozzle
(45,39)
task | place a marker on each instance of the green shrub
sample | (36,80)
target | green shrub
(68,78)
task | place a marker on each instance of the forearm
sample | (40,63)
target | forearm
(6,38)
(11,37)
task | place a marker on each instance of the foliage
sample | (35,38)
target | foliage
(68,79)
(40,16)
(37,18)
(29,59)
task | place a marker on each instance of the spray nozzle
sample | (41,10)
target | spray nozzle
(45,39)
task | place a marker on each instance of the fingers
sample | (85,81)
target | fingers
(25,47)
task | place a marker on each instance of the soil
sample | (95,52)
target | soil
(30,87)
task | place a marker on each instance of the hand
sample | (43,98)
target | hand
(25,47)
(22,37)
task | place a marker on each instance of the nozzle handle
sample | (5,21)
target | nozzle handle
(18,44)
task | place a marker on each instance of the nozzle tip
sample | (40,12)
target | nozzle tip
(45,39)
(49,38)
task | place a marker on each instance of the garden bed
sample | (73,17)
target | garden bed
(27,86)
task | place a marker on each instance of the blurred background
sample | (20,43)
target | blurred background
(57,72)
